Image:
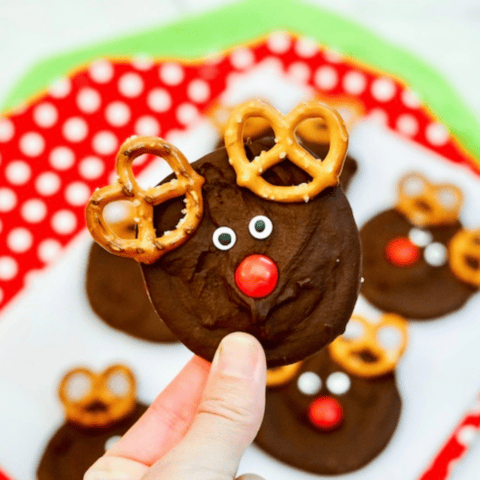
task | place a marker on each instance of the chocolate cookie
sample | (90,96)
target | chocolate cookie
(310,251)
(326,420)
(117,294)
(406,268)
(73,449)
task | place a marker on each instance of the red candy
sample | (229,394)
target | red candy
(256,276)
(401,252)
(325,413)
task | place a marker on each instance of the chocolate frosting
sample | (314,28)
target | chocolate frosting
(371,409)
(315,246)
(73,449)
(117,294)
(418,292)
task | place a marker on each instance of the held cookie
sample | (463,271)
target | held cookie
(268,244)
(336,411)
(99,409)
(408,253)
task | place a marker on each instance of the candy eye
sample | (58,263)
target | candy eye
(260,227)
(224,238)
(309,383)
(338,383)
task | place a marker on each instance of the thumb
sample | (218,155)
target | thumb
(228,417)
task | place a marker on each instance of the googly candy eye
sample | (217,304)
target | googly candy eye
(224,238)
(260,227)
(338,383)
(309,383)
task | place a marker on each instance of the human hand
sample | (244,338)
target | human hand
(199,427)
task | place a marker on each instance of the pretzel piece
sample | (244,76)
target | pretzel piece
(249,174)
(425,203)
(147,247)
(99,406)
(347,353)
(464,256)
(277,377)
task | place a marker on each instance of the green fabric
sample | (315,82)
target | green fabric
(201,35)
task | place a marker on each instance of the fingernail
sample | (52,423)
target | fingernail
(237,355)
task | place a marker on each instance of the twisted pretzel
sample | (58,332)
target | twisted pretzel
(347,352)
(464,256)
(249,174)
(281,375)
(147,247)
(425,203)
(99,406)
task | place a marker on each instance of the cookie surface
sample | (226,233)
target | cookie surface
(419,291)
(315,247)
(116,293)
(73,450)
(371,411)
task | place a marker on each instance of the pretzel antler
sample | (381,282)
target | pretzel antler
(347,353)
(464,256)
(281,375)
(249,174)
(147,247)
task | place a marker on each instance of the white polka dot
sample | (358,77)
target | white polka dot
(187,113)
(159,100)
(105,143)
(61,158)
(75,129)
(338,383)
(198,91)
(18,172)
(241,58)
(309,383)
(117,114)
(326,78)
(34,211)
(32,144)
(8,199)
(48,250)
(436,254)
(379,116)
(7,130)
(91,167)
(383,89)
(88,100)
(354,82)
(8,268)
(410,99)
(436,134)
(64,222)
(419,237)
(306,47)
(47,183)
(299,71)
(19,240)
(333,56)
(354,330)
(113,177)
(101,71)
(147,126)
(77,193)
(143,62)
(130,85)
(407,124)
(45,115)
(171,73)
(60,88)
(466,435)
(279,42)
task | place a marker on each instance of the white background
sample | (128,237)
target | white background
(444,33)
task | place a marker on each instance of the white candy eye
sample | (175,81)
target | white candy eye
(260,227)
(224,238)
(436,254)
(112,441)
(419,237)
(338,383)
(309,383)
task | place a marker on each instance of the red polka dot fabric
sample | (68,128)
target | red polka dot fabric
(58,149)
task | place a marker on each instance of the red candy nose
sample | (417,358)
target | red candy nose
(401,252)
(256,276)
(325,413)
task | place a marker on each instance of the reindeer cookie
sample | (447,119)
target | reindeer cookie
(336,411)
(268,244)
(411,265)
(99,409)
(116,290)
